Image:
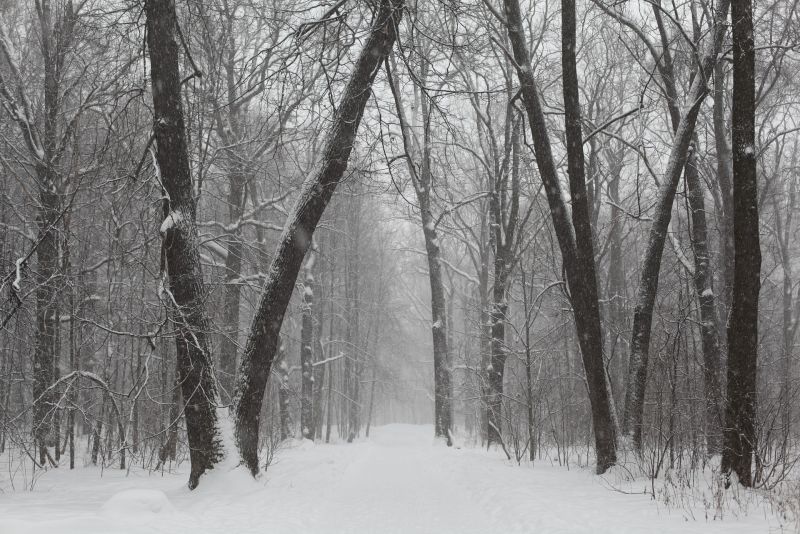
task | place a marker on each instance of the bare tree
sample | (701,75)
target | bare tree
(574,238)
(651,262)
(316,193)
(418,162)
(180,255)
(740,433)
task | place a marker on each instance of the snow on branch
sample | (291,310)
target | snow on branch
(18,278)
(19,108)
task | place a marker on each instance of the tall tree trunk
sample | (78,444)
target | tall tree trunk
(284,417)
(332,322)
(316,194)
(179,249)
(725,182)
(484,330)
(591,335)
(703,283)
(423,185)
(740,432)
(617,293)
(783,231)
(46,312)
(577,256)
(233,287)
(47,254)
(354,347)
(498,355)
(651,263)
(318,354)
(307,351)
(527,312)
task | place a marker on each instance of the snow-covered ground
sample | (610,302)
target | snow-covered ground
(398,481)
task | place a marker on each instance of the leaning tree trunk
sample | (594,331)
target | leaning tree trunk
(316,193)
(651,263)
(740,432)
(186,292)
(582,282)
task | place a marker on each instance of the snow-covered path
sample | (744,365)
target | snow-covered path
(397,482)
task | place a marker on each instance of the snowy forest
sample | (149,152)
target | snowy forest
(399,266)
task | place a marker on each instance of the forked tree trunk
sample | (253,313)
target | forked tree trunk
(316,193)
(740,431)
(576,248)
(186,292)
(651,263)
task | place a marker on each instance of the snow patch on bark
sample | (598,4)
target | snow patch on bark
(170,221)
(18,276)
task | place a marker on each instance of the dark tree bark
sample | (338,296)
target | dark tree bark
(55,42)
(179,249)
(262,342)
(46,311)
(651,263)
(740,432)
(576,248)
(439,324)
(504,218)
